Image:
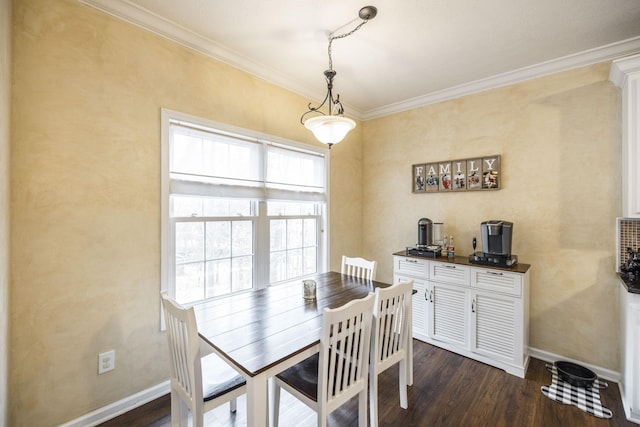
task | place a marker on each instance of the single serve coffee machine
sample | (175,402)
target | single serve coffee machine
(496,245)
(425,246)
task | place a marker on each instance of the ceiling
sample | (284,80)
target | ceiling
(415,52)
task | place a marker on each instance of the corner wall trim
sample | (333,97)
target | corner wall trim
(114,409)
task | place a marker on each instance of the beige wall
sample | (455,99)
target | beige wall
(5,84)
(87,92)
(559,138)
(85,201)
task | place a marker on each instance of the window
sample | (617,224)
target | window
(213,246)
(240,210)
(293,248)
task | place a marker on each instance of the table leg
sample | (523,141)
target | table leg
(257,401)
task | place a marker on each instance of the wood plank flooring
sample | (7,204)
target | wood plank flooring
(448,390)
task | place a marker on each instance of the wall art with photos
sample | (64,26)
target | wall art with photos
(478,173)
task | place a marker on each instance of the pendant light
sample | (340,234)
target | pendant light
(331,128)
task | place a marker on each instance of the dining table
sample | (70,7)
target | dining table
(265,331)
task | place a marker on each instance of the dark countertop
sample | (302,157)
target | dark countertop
(464,260)
(632,285)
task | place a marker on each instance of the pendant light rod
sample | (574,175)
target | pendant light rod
(366,14)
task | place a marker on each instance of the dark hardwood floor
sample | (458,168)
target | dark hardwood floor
(448,390)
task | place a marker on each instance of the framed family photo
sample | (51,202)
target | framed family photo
(475,174)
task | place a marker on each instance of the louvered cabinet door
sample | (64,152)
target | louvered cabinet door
(496,326)
(408,268)
(448,317)
(419,304)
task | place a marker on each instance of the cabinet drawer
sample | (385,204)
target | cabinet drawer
(412,267)
(449,273)
(497,281)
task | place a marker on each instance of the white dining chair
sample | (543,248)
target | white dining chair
(198,384)
(389,342)
(330,378)
(359,268)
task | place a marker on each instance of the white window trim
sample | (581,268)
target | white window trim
(166,250)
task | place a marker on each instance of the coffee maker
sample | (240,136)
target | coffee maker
(425,233)
(425,246)
(497,236)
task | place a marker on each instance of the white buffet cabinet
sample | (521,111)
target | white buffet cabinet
(476,311)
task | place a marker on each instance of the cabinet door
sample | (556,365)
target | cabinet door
(448,318)
(630,351)
(496,326)
(625,73)
(631,144)
(419,306)
(634,338)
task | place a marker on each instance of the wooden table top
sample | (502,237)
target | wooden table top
(256,330)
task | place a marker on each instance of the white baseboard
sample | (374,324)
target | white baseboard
(606,374)
(112,410)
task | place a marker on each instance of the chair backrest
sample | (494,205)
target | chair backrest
(344,351)
(359,267)
(391,323)
(184,350)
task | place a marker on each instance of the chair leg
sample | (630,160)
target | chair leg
(197,415)
(362,408)
(322,418)
(179,411)
(234,405)
(276,404)
(410,362)
(403,374)
(373,399)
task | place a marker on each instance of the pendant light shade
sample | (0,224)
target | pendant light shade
(330,129)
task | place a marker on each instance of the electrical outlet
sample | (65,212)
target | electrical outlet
(106,361)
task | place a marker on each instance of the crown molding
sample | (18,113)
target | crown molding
(582,59)
(133,14)
(621,68)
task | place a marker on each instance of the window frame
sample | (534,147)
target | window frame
(261,242)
